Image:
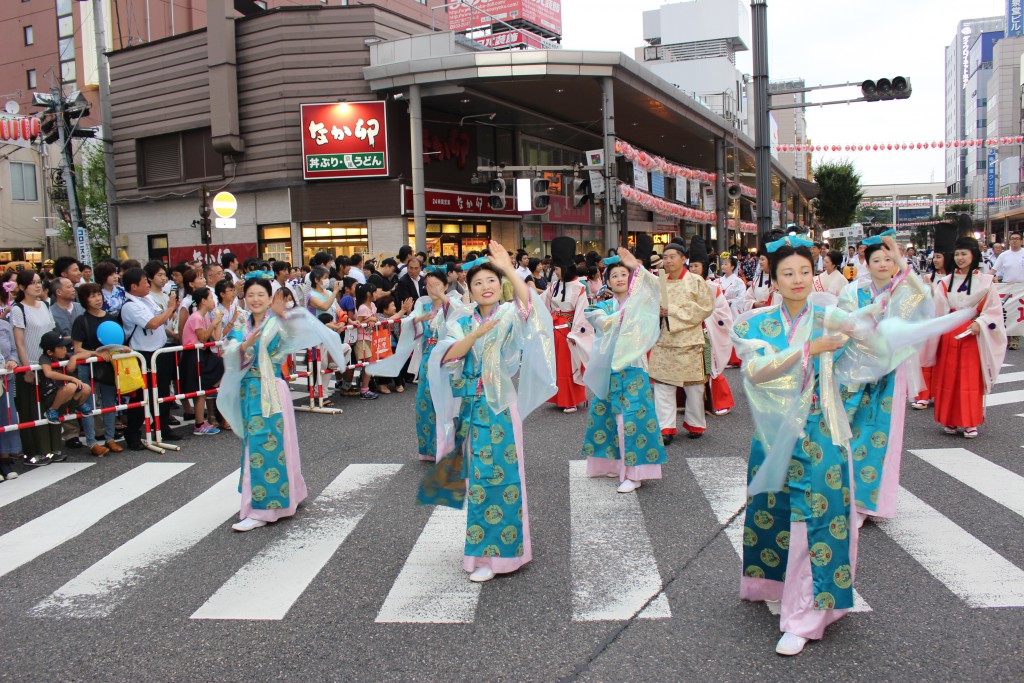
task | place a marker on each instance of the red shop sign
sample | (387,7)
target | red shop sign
(445,203)
(344,140)
(562,211)
(242,250)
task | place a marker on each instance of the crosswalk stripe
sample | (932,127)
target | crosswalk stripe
(432,587)
(614,572)
(98,590)
(44,533)
(1007,377)
(984,476)
(980,576)
(724,483)
(38,479)
(1004,398)
(269,584)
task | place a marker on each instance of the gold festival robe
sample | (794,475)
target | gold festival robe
(678,357)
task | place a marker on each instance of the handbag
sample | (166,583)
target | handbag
(380,343)
(128,375)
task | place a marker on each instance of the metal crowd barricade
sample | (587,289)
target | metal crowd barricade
(120,407)
(178,394)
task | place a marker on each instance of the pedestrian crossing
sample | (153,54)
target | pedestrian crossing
(613,561)
(1001,397)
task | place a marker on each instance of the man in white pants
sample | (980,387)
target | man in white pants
(677,360)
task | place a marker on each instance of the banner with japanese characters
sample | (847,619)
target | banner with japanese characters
(1012,295)
(344,140)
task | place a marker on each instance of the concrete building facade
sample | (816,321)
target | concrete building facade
(792,126)
(693,45)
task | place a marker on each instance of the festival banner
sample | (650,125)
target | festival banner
(1012,295)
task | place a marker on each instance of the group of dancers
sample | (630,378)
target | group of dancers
(826,379)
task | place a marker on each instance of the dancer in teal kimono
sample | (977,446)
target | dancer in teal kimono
(623,439)
(800,532)
(480,413)
(418,337)
(257,403)
(877,409)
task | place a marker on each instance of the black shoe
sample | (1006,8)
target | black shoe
(168,435)
(694,435)
(59,456)
(136,446)
(74,443)
(36,461)
(118,434)
(667,438)
(173,421)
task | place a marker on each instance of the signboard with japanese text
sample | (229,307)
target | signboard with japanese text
(694,193)
(640,178)
(1014,23)
(242,250)
(562,211)
(595,157)
(1012,296)
(545,14)
(993,159)
(83,246)
(657,184)
(344,140)
(681,194)
(447,203)
(518,38)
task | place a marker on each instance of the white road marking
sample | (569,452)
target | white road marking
(269,584)
(614,571)
(1004,398)
(1010,377)
(980,576)
(38,479)
(45,533)
(724,483)
(432,587)
(99,590)
(984,476)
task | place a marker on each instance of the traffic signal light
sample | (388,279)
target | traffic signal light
(497,199)
(884,89)
(205,224)
(580,192)
(539,193)
(50,132)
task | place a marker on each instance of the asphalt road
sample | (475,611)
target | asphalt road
(927,619)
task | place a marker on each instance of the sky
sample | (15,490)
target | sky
(824,42)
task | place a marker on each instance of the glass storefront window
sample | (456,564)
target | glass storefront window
(453,239)
(275,242)
(337,238)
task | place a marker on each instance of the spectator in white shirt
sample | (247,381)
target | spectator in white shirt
(355,268)
(144,332)
(229,262)
(523,264)
(1010,268)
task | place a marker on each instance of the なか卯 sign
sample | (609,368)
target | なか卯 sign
(344,140)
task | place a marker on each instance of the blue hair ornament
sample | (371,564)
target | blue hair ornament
(791,240)
(612,260)
(259,275)
(478,262)
(877,239)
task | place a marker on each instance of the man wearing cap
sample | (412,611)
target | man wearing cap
(677,360)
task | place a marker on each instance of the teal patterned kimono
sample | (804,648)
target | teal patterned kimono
(263,439)
(618,376)
(818,489)
(426,418)
(481,414)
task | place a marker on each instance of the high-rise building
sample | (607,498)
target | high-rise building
(693,45)
(792,126)
(966,84)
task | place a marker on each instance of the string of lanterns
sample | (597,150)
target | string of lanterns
(664,207)
(902,146)
(652,162)
(944,200)
(904,225)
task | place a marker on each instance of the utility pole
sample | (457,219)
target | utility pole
(762,124)
(108,139)
(78,226)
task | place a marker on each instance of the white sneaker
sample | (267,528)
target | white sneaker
(248,524)
(11,476)
(481,574)
(628,486)
(790,644)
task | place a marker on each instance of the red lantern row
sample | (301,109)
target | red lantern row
(651,162)
(664,207)
(944,200)
(22,128)
(902,146)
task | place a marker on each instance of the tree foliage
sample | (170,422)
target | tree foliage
(91,179)
(838,195)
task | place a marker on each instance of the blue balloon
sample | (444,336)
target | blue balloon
(109,333)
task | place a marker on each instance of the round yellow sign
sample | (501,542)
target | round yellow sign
(225,204)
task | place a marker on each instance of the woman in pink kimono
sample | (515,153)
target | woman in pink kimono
(968,359)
